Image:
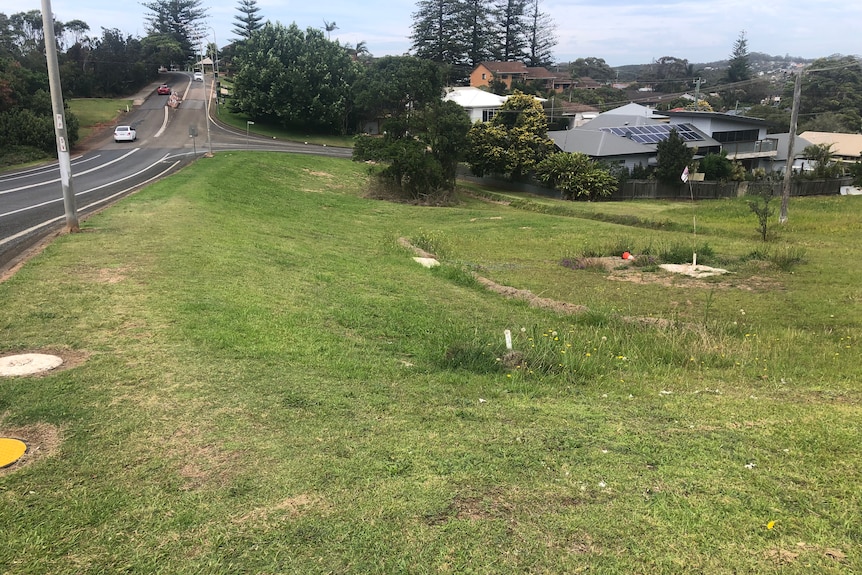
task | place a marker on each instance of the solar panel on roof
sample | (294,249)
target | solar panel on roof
(656,133)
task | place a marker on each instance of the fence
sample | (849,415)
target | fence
(654,190)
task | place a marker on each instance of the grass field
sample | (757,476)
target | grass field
(264,381)
(95,112)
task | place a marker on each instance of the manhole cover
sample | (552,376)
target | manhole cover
(28,364)
(11,450)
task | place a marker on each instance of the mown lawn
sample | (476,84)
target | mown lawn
(264,381)
(95,112)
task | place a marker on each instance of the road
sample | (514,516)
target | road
(31,202)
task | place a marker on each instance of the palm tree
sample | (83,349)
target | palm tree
(329,27)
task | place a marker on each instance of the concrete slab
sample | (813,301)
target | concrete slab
(28,364)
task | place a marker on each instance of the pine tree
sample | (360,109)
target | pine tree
(182,20)
(435,31)
(540,36)
(248,21)
(740,68)
(476,31)
(511,27)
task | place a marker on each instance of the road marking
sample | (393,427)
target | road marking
(114,161)
(88,206)
(164,124)
(45,168)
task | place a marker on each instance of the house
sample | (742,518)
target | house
(782,143)
(744,139)
(506,72)
(481,105)
(845,147)
(511,73)
(576,114)
(628,136)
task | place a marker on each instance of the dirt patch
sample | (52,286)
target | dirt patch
(42,440)
(532,299)
(291,507)
(319,174)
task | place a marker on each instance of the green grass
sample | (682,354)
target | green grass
(94,112)
(272,385)
(238,121)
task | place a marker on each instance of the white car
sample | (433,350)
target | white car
(125,134)
(199,77)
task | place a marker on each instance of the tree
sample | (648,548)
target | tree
(576,176)
(511,29)
(716,167)
(669,73)
(740,68)
(476,31)
(421,149)
(395,85)
(673,156)
(435,31)
(834,85)
(540,36)
(294,78)
(182,20)
(329,27)
(822,156)
(248,21)
(595,68)
(513,142)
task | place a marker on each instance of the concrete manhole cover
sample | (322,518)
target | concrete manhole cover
(28,364)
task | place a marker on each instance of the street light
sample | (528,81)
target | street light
(247,124)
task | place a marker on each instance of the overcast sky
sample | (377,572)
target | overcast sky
(621,32)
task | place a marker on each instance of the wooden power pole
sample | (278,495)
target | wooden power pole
(788,168)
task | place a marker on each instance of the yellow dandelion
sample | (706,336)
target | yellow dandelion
(770,525)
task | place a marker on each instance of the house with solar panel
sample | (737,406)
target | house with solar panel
(744,139)
(628,136)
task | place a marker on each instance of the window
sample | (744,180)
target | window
(483,76)
(736,136)
(488,115)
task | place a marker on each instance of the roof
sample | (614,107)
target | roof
(576,108)
(598,144)
(633,109)
(469,97)
(606,120)
(717,116)
(539,73)
(847,145)
(505,67)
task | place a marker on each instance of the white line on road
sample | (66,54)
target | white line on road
(105,165)
(88,206)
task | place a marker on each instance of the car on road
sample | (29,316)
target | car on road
(125,134)
(164,90)
(199,77)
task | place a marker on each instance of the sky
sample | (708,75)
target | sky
(621,32)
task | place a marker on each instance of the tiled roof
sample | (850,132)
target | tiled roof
(506,67)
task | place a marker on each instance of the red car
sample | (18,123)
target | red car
(164,90)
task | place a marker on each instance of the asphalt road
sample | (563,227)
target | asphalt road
(31,200)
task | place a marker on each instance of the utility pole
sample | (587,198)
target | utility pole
(57,108)
(697,94)
(788,168)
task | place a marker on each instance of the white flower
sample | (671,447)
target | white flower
(602,484)
(750,465)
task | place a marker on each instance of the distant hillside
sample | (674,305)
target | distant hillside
(759,61)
